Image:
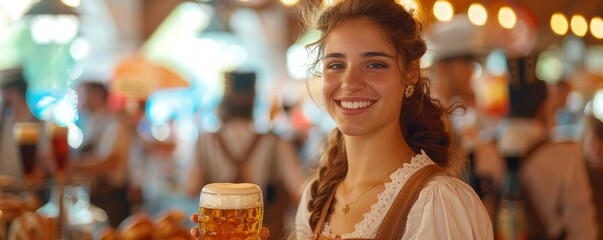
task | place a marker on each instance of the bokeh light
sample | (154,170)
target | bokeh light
(559,24)
(548,67)
(410,5)
(15,9)
(507,17)
(443,10)
(597,105)
(161,131)
(59,29)
(79,48)
(579,25)
(496,63)
(478,14)
(75,136)
(596,27)
(289,2)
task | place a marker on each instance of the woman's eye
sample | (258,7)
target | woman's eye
(376,65)
(335,66)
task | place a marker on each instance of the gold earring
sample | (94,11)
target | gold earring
(410,89)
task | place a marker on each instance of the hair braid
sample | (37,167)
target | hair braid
(334,167)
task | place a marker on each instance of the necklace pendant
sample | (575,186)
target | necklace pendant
(345,209)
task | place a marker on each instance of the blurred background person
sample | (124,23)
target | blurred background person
(103,153)
(22,187)
(554,184)
(133,114)
(14,109)
(457,49)
(593,153)
(151,165)
(238,153)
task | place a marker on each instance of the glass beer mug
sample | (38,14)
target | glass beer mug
(60,148)
(230,211)
(26,135)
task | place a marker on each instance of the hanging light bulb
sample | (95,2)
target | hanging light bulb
(596,27)
(51,21)
(289,2)
(443,10)
(478,14)
(559,24)
(507,17)
(328,2)
(579,25)
(410,5)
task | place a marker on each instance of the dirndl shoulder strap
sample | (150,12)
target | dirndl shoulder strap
(394,223)
(323,216)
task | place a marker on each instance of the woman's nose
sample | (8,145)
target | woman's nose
(352,81)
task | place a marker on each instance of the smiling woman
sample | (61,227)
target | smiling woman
(382,172)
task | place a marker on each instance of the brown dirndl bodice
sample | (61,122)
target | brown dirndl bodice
(394,223)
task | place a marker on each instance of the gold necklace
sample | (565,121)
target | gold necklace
(346,205)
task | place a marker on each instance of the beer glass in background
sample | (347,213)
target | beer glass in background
(230,211)
(26,136)
(60,152)
(58,142)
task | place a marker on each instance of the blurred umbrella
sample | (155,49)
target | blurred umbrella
(137,78)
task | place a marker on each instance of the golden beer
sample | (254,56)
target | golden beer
(230,211)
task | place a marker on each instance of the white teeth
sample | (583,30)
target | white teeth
(355,105)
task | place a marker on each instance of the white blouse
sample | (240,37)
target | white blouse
(447,208)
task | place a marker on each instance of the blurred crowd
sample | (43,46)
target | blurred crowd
(123,171)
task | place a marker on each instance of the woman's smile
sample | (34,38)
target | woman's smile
(354,106)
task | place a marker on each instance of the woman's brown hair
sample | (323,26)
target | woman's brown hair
(422,118)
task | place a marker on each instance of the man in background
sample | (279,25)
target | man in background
(14,109)
(103,155)
(457,48)
(553,175)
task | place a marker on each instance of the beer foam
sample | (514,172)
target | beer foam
(26,132)
(230,196)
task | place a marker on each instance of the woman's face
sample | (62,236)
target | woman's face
(362,85)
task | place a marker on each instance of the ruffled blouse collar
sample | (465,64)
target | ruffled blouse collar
(372,219)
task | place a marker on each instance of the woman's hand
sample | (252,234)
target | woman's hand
(195,230)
